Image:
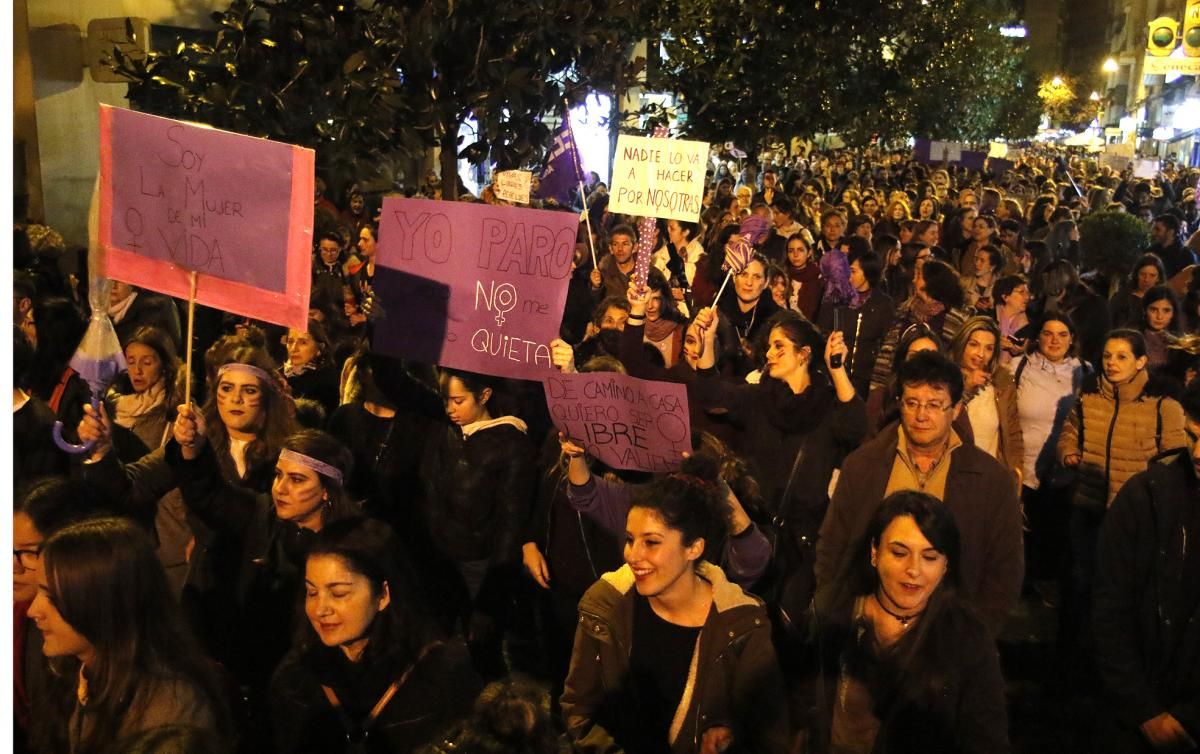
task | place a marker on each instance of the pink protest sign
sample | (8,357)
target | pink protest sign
(472,286)
(625,422)
(177,197)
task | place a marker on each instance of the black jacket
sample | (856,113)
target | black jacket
(1174,257)
(774,424)
(320,385)
(968,714)
(270,555)
(735,326)
(439,688)
(477,492)
(34,451)
(864,337)
(577,548)
(1146,605)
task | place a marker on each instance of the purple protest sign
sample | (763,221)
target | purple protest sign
(627,423)
(178,198)
(472,286)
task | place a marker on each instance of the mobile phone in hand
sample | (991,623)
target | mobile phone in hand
(836,361)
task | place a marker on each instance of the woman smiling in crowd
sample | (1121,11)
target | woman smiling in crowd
(903,663)
(669,655)
(367,673)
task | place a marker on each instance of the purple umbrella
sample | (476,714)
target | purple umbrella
(99,358)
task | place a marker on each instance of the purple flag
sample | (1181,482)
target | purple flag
(563,171)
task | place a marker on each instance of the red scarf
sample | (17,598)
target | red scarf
(21,709)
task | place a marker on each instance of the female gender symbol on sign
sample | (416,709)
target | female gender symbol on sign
(504,298)
(671,427)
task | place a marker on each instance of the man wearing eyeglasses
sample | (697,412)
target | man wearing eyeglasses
(923,452)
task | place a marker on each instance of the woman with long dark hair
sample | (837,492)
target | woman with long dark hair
(1125,307)
(937,301)
(1049,377)
(669,655)
(367,672)
(804,277)
(1164,323)
(904,665)
(664,326)
(1122,420)
(269,533)
(108,620)
(40,509)
(55,328)
(797,424)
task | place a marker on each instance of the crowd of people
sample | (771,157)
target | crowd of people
(916,403)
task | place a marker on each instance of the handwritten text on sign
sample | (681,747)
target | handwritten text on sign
(512,185)
(473,286)
(659,177)
(625,422)
(183,194)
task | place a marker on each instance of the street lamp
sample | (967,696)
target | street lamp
(1056,81)
(1110,65)
(1094,97)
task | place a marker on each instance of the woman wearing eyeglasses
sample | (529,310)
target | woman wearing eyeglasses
(41,509)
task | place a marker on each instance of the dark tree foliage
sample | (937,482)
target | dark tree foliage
(362,81)
(758,69)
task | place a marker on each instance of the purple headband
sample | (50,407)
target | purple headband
(318,466)
(236,366)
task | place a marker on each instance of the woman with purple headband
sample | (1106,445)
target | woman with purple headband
(245,421)
(270,534)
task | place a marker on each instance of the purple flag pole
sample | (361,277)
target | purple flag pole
(556,180)
(587,220)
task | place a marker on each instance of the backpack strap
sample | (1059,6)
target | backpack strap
(1158,424)
(1020,368)
(60,389)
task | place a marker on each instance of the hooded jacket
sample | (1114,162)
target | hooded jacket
(734,679)
(479,481)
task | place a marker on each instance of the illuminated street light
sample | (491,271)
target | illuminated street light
(1095,97)
(1110,65)
(1057,81)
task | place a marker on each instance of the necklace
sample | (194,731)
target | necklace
(749,325)
(905,620)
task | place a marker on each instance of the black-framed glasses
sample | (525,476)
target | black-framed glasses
(27,559)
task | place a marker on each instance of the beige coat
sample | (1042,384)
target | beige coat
(1123,427)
